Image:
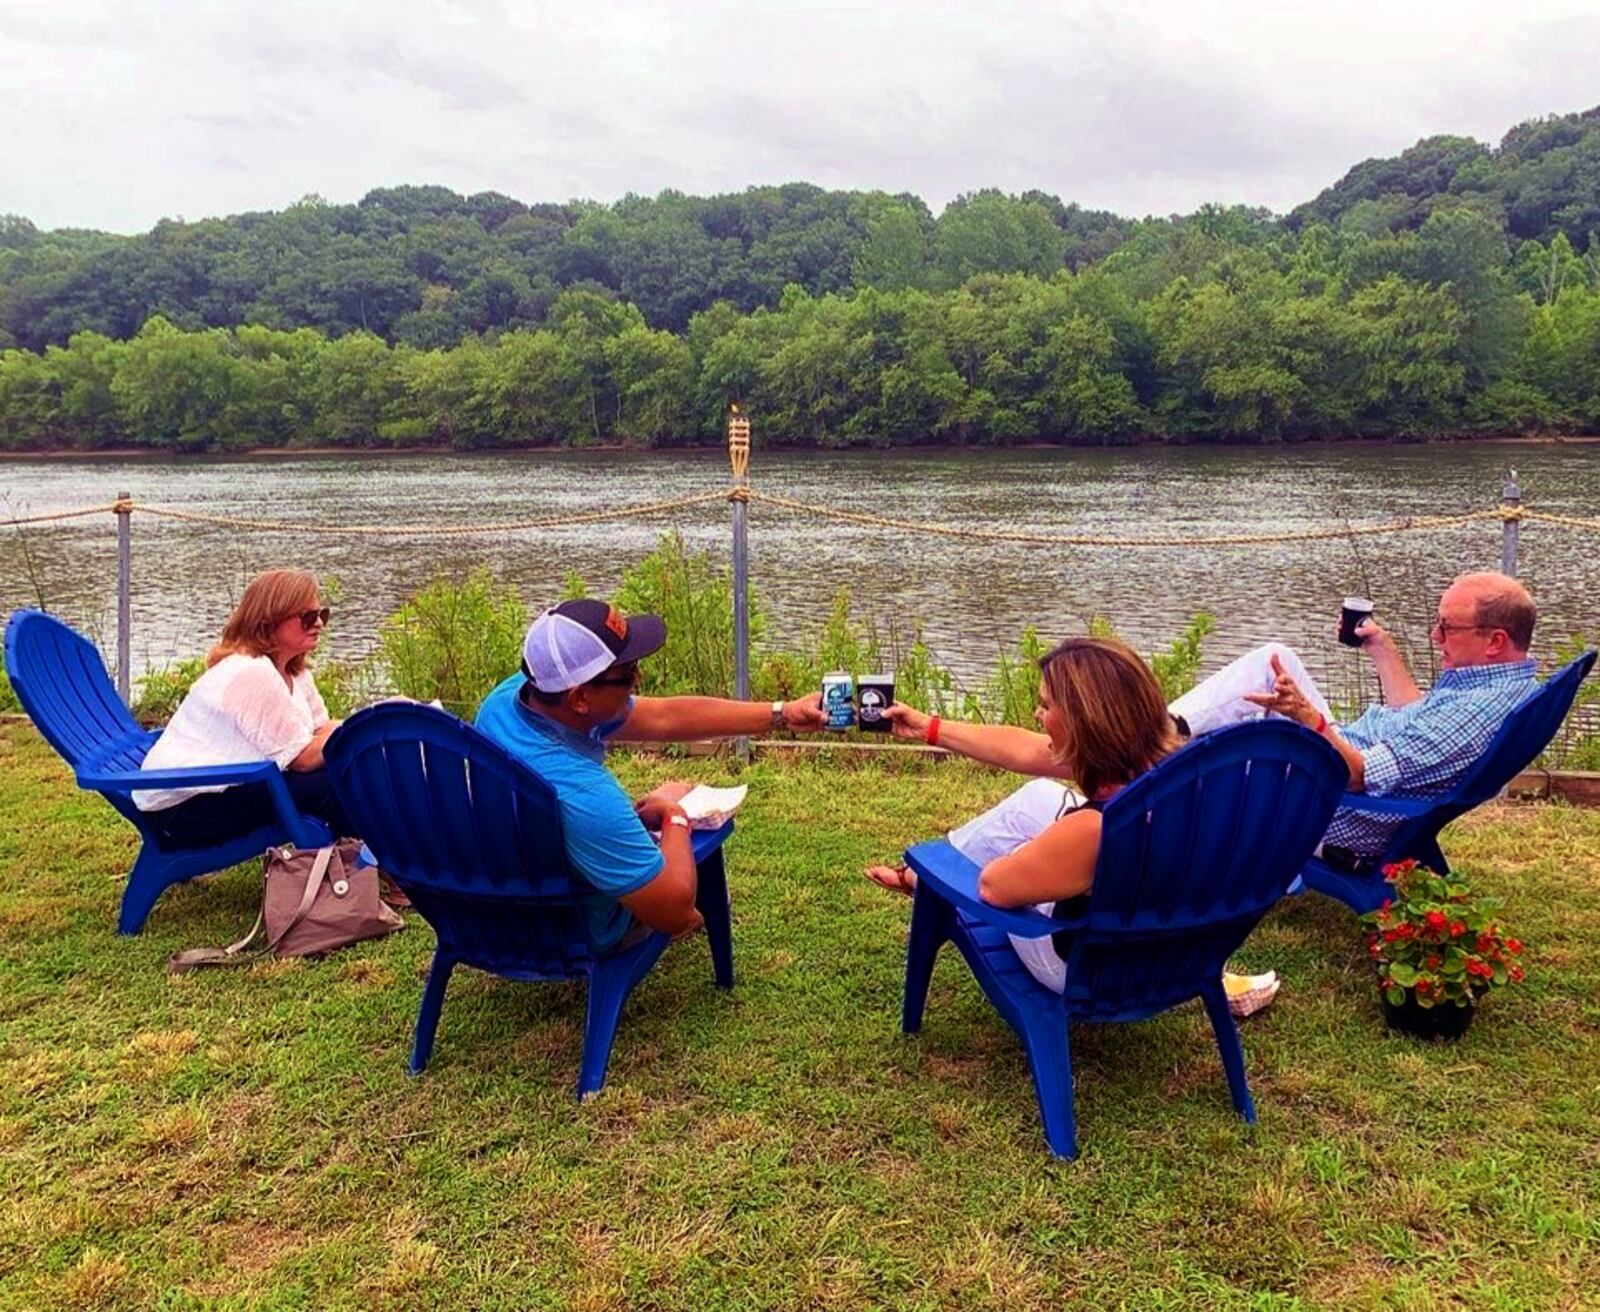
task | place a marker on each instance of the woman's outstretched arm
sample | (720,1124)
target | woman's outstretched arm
(1001,745)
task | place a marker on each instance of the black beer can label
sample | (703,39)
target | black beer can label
(876,692)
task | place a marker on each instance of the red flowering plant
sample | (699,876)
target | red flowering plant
(1436,939)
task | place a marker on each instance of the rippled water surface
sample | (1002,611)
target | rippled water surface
(971,598)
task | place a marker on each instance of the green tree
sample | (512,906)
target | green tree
(584,322)
(1544,273)
(895,253)
(358,389)
(529,399)
(1411,377)
(988,232)
(654,375)
(30,402)
(182,389)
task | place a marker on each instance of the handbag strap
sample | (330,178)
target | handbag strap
(234,954)
(319,869)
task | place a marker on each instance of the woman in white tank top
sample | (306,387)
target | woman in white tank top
(1105,723)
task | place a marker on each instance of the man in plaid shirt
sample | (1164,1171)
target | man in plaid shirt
(1416,744)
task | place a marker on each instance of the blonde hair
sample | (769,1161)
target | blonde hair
(268,600)
(1114,719)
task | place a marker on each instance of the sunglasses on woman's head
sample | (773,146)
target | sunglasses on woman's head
(309,619)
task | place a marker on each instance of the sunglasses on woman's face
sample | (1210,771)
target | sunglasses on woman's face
(309,619)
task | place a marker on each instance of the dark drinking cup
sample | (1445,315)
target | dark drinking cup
(874,695)
(1356,611)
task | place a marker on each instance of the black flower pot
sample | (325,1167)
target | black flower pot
(1445,1021)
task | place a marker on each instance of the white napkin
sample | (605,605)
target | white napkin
(709,808)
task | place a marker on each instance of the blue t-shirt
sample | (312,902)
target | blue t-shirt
(607,844)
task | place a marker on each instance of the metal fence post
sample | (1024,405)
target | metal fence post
(124,594)
(1510,499)
(739,459)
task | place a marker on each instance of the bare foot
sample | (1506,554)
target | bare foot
(897,879)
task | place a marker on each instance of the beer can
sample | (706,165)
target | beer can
(874,698)
(838,700)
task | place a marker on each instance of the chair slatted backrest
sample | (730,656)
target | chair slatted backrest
(1526,732)
(1192,855)
(63,685)
(473,835)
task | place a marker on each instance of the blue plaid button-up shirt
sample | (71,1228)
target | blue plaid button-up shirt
(1421,749)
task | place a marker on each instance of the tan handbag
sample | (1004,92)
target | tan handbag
(316,900)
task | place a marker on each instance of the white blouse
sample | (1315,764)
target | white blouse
(239,710)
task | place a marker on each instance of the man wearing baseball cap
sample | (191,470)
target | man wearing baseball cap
(573,696)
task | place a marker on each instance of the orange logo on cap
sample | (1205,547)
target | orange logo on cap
(617,622)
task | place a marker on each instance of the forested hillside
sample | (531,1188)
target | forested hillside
(425,267)
(1454,287)
(1544,179)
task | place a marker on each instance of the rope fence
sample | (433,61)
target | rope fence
(110,507)
(1410,524)
(740,495)
(128,506)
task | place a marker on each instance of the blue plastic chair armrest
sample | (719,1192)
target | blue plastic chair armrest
(200,776)
(955,879)
(1401,806)
(706,841)
(193,776)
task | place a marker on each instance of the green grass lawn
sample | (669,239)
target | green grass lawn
(249,1138)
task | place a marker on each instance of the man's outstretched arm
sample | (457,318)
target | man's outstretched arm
(685,719)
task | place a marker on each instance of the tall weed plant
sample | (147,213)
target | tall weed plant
(347,686)
(840,646)
(159,691)
(453,641)
(8,696)
(1177,667)
(1577,746)
(693,594)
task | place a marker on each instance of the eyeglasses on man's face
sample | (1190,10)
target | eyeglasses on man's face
(1444,628)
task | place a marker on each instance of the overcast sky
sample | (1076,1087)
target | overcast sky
(120,112)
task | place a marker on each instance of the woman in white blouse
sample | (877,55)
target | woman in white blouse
(255,701)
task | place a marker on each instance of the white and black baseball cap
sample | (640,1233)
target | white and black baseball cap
(579,640)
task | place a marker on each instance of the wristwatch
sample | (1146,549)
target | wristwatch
(678,818)
(777,713)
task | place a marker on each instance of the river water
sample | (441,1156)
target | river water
(972,599)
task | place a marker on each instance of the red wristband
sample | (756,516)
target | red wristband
(931,736)
(1322,723)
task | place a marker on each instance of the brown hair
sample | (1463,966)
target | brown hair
(268,600)
(1114,718)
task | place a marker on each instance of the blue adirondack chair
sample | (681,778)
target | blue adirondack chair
(473,836)
(1527,731)
(1192,855)
(62,684)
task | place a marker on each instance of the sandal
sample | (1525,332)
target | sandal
(897,879)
